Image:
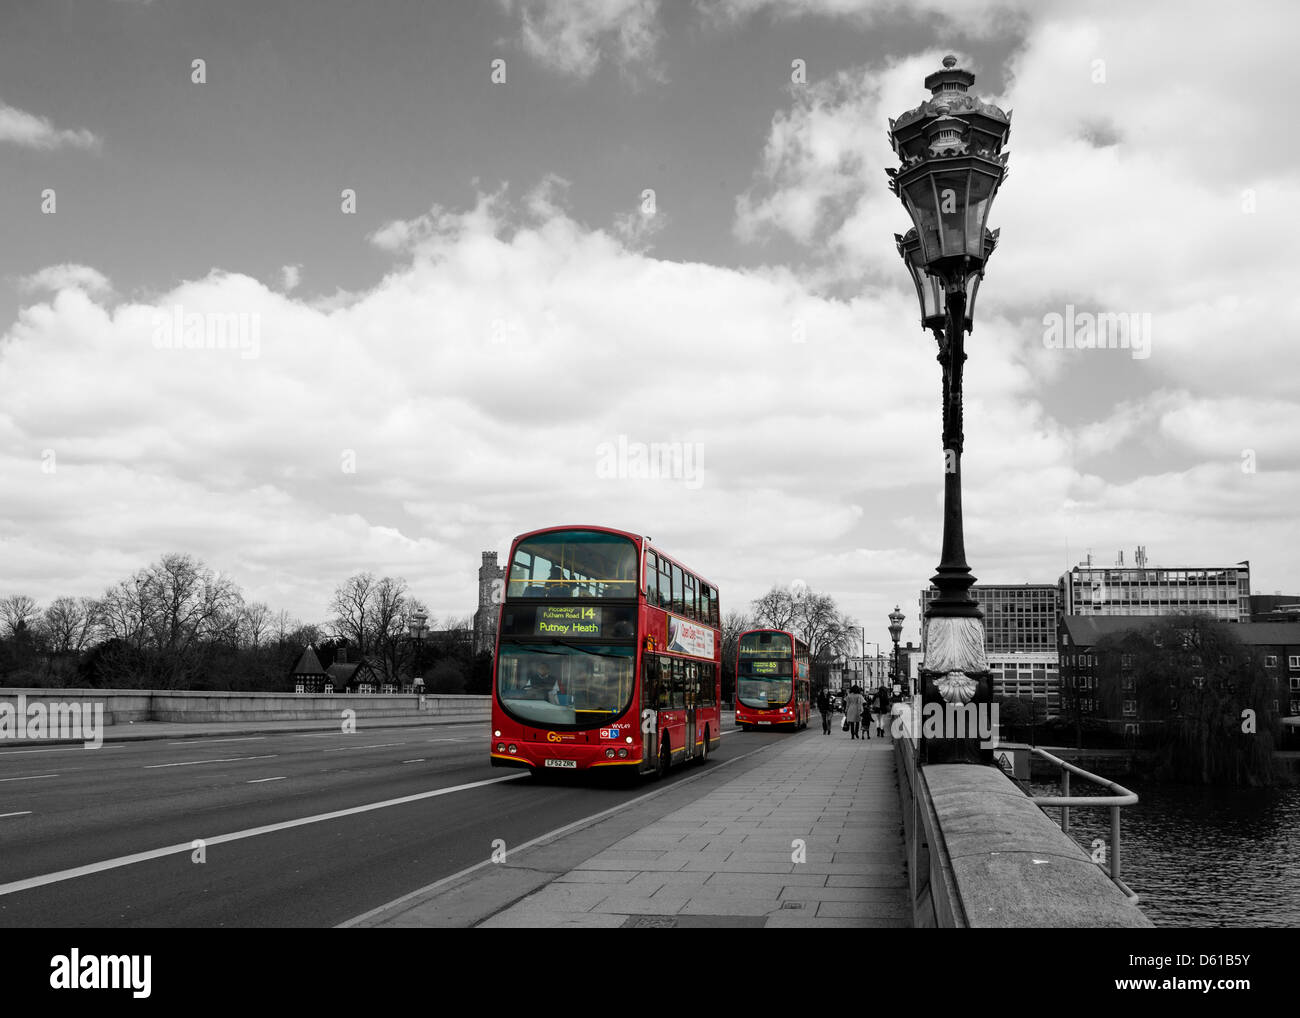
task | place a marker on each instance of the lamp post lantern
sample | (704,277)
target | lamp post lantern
(952,164)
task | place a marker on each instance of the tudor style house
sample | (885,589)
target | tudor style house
(340,677)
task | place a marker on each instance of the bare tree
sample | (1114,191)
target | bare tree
(256,623)
(389,620)
(351,610)
(17,610)
(777,609)
(69,624)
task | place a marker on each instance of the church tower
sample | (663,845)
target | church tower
(491,591)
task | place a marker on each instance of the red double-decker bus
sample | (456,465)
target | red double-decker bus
(772,680)
(608,654)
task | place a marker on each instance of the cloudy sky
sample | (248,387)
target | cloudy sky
(479,249)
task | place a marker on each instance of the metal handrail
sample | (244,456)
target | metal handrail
(1119,798)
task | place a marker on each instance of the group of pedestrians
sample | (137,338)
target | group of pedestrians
(858,707)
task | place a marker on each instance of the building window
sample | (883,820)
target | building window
(1270,660)
(1127,683)
(1293,661)
(1130,708)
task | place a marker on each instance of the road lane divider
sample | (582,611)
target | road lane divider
(187,847)
(196,740)
(225,759)
(377,745)
(30,777)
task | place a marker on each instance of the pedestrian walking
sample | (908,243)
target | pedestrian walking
(853,705)
(824,705)
(881,708)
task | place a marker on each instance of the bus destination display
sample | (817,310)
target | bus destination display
(569,620)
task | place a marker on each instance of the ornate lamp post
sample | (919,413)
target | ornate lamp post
(950,148)
(895,631)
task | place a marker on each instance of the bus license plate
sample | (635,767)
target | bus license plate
(765,722)
(561,763)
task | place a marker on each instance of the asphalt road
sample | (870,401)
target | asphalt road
(106,838)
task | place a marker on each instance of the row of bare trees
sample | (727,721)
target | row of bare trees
(177,624)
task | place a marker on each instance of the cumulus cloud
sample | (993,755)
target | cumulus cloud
(574,36)
(31,131)
(486,385)
(67,276)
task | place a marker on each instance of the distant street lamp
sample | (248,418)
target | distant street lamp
(950,148)
(418,631)
(895,631)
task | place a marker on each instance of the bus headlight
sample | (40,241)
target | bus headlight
(496,734)
(512,747)
(622,754)
(609,754)
(629,740)
(501,747)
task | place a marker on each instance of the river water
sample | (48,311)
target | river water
(1203,856)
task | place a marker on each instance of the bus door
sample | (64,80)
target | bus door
(692,698)
(649,713)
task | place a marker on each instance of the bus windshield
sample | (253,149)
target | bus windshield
(763,691)
(574,563)
(564,684)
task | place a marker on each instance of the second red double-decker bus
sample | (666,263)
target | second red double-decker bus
(608,655)
(772,680)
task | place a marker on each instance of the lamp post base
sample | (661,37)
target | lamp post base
(958,722)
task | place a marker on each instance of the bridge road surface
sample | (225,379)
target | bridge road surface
(66,808)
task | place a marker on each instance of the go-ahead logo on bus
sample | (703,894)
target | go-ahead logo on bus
(688,638)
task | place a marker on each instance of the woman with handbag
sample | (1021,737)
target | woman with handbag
(853,711)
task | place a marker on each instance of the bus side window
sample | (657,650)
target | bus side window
(665,583)
(651,578)
(713,607)
(688,597)
(665,686)
(679,684)
(677,589)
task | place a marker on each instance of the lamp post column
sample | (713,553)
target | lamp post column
(952,163)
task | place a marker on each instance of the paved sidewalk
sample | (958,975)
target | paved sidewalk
(727,859)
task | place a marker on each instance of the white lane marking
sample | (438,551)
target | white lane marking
(418,760)
(24,813)
(377,745)
(30,777)
(60,749)
(224,759)
(258,781)
(221,839)
(448,740)
(209,742)
(549,836)
(317,735)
